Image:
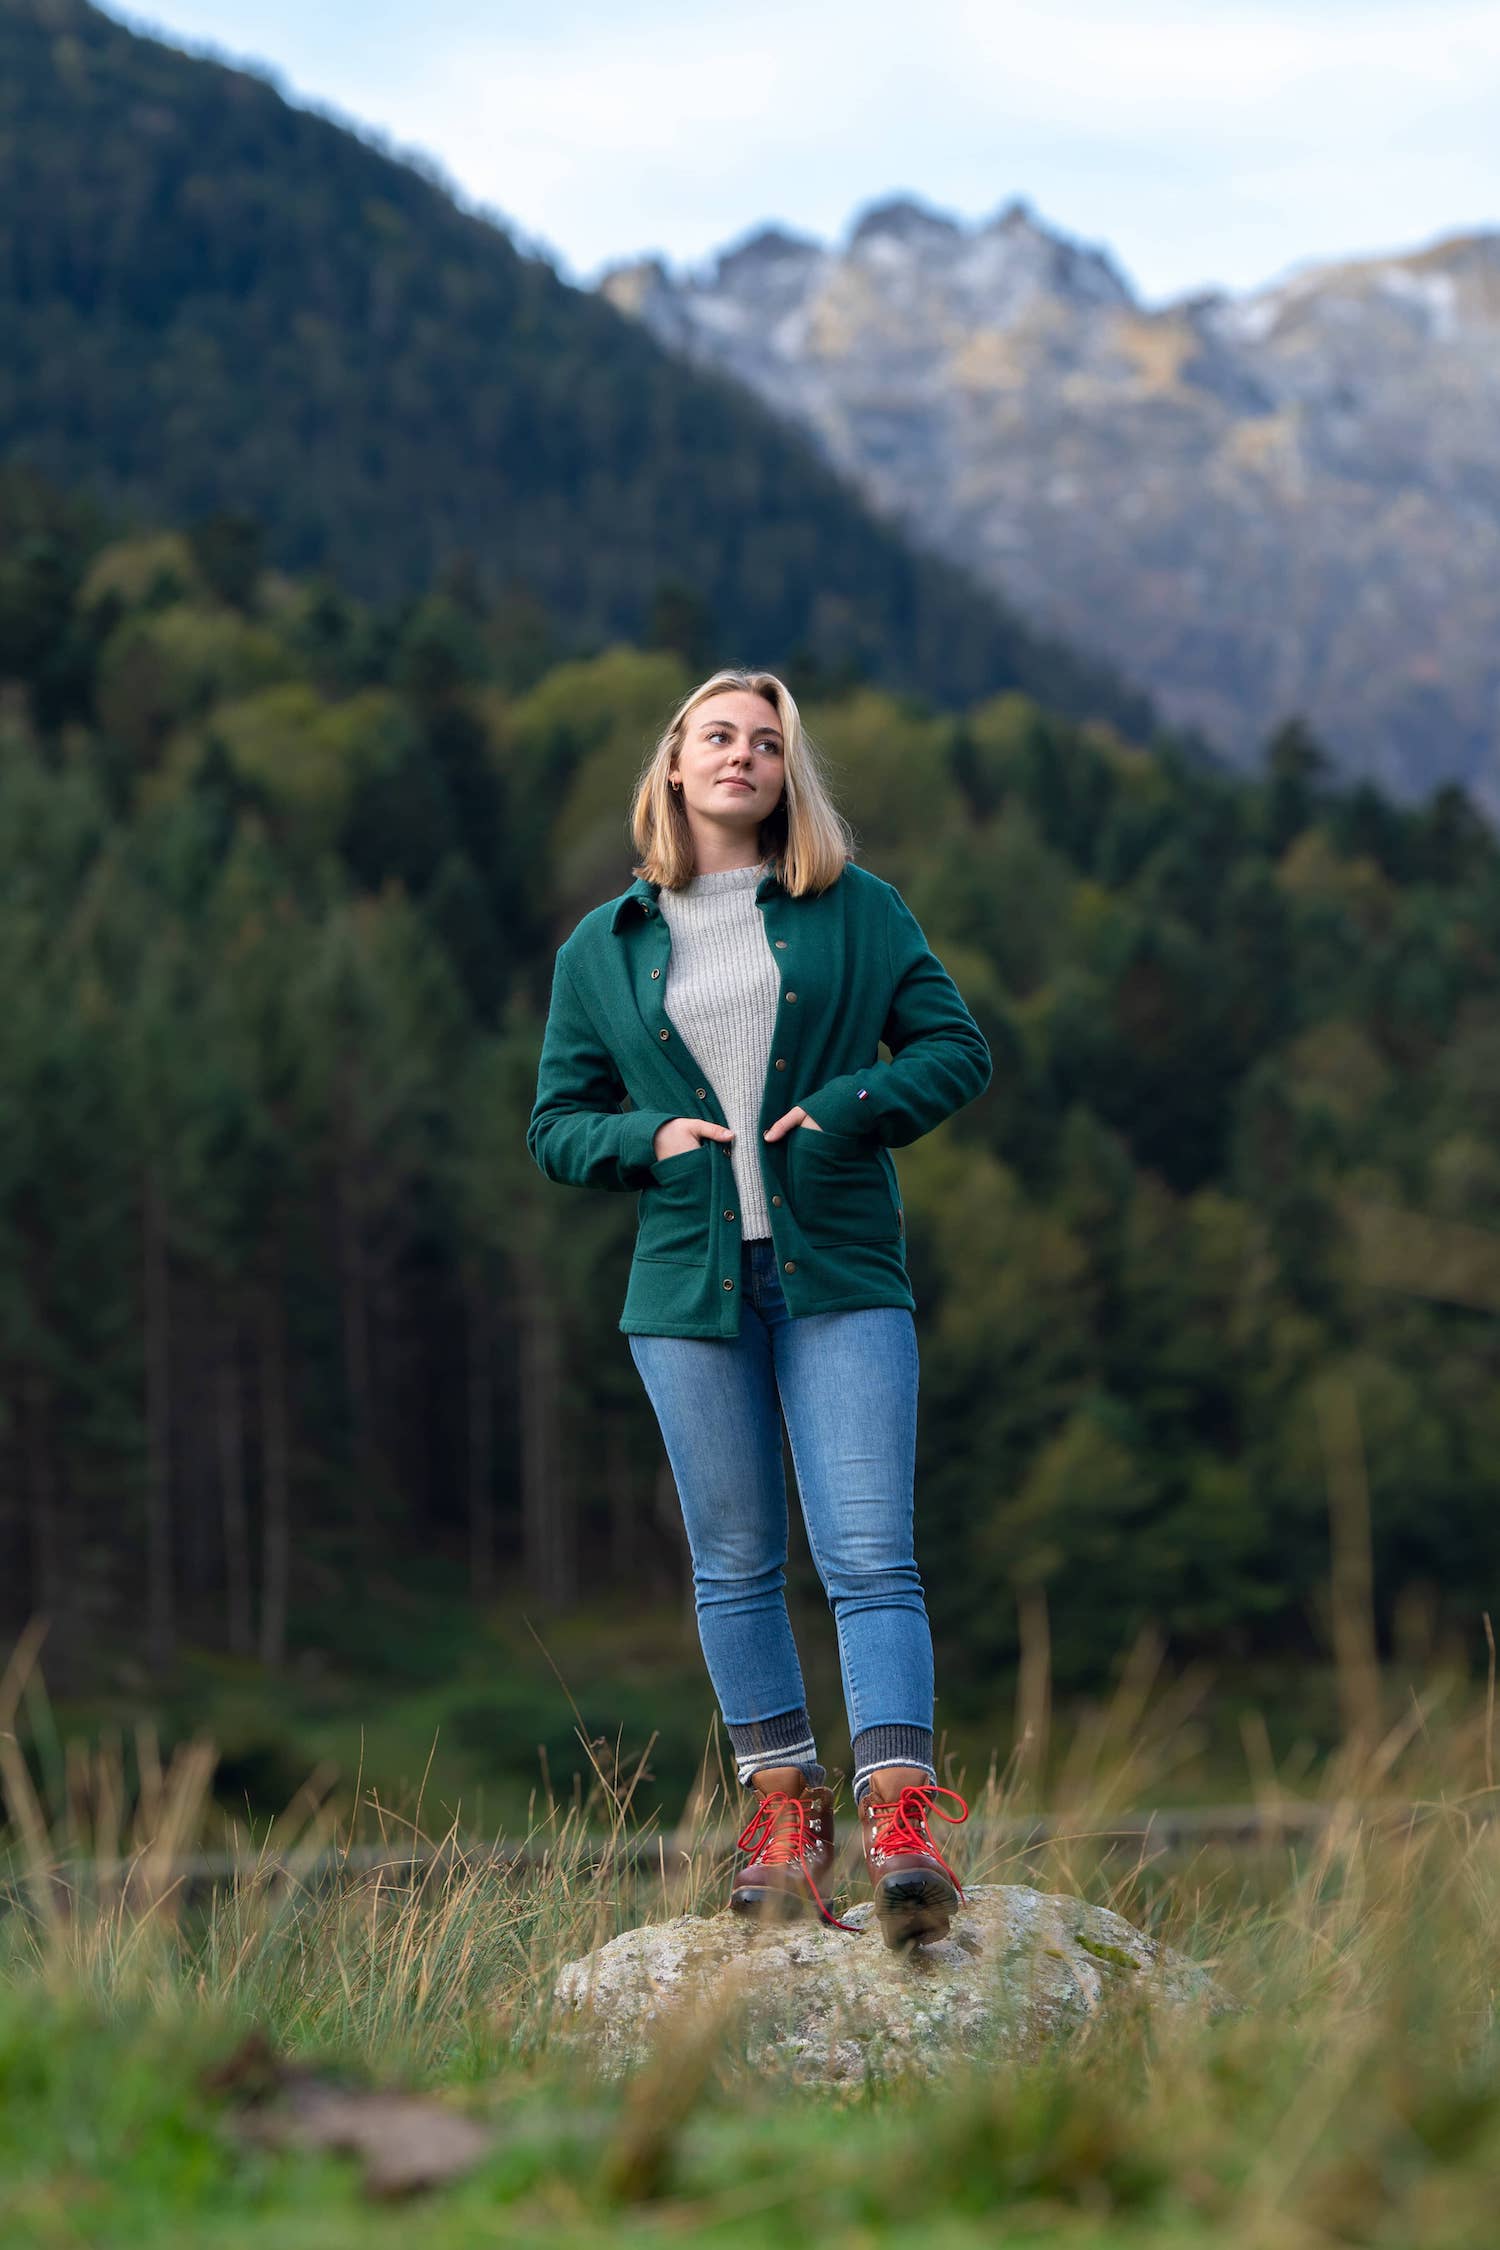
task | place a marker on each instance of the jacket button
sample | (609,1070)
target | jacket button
(701,1092)
(780,1059)
(781,945)
(776,1199)
(791,996)
(656,972)
(729,1214)
(729,1285)
(664,1035)
(790,1266)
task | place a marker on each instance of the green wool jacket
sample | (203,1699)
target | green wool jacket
(855,970)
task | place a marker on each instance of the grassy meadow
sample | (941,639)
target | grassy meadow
(153,2028)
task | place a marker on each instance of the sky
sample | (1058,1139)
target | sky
(1205,143)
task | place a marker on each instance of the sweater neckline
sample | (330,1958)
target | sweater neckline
(724,879)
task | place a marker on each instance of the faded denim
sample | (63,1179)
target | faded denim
(847,1385)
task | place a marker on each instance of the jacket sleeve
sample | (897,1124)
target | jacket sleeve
(939,1056)
(578,1132)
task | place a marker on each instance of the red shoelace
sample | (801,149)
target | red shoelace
(901,1822)
(776,1836)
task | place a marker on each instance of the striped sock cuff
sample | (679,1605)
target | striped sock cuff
(785,1740)
(890,1746)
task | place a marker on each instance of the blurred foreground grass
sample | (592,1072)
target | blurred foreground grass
(1355,2099)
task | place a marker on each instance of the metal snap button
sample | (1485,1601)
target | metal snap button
(791,996)
(790,1266)
(729,1214)
(780,1059)
(656,972)
(776,1199)
(781,945)
(664,1035)
(729,1285)
(701,1092)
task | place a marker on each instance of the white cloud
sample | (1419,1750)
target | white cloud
(1158,60)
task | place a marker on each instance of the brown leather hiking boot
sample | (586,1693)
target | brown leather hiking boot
(915,1888)
(790,1843)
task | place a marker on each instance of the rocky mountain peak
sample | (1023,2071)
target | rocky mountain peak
(1286,498)
(901,222)
(769,255)
(1025,247)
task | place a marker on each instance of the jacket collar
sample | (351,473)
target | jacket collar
(640,900)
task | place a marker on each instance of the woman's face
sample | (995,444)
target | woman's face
(731,761)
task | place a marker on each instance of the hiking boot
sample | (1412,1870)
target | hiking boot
(916,1890)
(790,1843)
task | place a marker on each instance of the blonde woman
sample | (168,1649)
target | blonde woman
(737,995)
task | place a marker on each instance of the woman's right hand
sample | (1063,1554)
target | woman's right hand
(679,1134)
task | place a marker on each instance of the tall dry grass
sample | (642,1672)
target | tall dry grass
(1355,2096)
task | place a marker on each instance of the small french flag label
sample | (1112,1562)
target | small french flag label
(861,1093)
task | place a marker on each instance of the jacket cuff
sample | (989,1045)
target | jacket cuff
(638,1129)
(849,1104)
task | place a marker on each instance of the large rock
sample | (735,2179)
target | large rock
(1018,1969)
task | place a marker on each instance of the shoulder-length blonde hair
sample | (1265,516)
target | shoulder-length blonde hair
(806,838)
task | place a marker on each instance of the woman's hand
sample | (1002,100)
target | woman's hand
(679,1134)
(787,1124)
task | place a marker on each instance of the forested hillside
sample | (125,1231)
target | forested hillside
(284,1303)
(212,299)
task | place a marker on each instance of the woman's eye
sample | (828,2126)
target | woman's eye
(721,734)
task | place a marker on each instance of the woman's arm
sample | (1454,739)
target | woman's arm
(939,1056)
(578,1132)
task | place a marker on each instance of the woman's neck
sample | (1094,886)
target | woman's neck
(713,866)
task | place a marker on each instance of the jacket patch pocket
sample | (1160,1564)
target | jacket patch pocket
(674,1211)
(840,1192)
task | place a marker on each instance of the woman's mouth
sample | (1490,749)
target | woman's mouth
(730,783)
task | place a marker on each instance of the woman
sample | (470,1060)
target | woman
(736,994)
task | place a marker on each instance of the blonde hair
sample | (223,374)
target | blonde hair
(806,838)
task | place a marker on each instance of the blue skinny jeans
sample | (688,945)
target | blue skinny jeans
(847,1384)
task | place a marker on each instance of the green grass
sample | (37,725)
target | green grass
(1353,2099)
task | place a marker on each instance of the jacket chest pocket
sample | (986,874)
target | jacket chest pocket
(674,1211)
(840,1191)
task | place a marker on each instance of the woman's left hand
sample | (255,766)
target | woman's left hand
(787,1124)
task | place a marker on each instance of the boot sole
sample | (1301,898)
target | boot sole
(914,1909)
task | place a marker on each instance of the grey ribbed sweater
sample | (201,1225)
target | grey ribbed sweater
(723,986)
